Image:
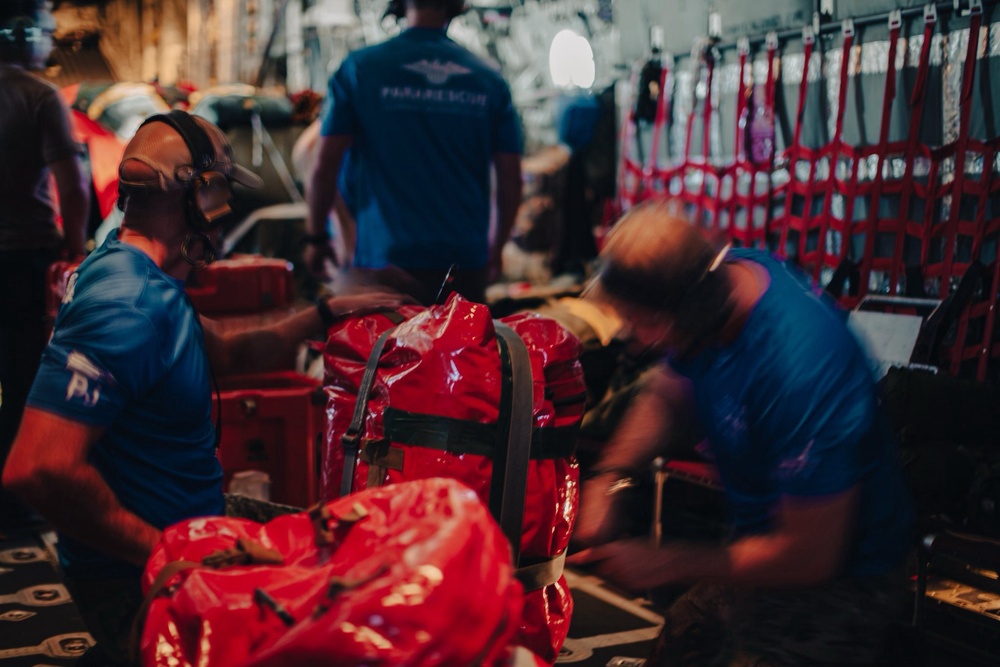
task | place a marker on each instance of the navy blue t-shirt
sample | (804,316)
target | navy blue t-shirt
(790,409)
(427,117)
(128,354)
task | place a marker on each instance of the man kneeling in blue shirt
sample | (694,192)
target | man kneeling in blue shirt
(117,441)
(782,395)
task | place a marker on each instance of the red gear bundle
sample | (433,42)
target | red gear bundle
(434,409)
(383,577)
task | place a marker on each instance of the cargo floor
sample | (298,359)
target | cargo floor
(39,625)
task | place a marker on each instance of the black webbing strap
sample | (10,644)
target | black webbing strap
(464,436)
(139,620)
(541,574)
(509,480)
(391,314)
(351,438)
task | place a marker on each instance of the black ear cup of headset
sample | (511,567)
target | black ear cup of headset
(16,31)
(209,191)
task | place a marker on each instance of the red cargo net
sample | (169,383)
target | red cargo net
(961,243)
(807,232)
(888,241)
(637,176)
(898,216)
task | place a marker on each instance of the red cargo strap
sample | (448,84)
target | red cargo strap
(907,187)
(769,97)
(796,149)
(706,167)
(743,92)
(808,45)
(833,153)
(659,122)
(747,165)
(961,146)
(871,225)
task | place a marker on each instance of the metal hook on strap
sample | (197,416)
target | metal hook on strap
(972,8)
(808,35)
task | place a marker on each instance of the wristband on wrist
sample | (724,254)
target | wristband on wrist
(326,314)
(322,238)
(621,484)
(624,478)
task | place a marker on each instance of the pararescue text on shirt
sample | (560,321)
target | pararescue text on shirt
(466,98)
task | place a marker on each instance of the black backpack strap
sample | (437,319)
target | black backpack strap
(352,437)
(509,480)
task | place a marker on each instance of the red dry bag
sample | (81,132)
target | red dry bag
(442,398)
(416,575)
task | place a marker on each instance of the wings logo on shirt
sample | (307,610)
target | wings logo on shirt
(87,379)
(435,71)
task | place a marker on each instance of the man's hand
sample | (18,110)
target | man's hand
(598,519)
(366,302)
(320,260)
(634,564)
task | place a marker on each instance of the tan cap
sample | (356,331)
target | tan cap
(158,157)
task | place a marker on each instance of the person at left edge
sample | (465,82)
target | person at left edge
(36,147)
(117,441)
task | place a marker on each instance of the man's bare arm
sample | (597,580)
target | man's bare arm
(508,171)
(74,203)
(49,470)
(806,547)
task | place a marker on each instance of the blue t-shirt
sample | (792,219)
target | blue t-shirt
(128,354)
(790,409)
(427,117)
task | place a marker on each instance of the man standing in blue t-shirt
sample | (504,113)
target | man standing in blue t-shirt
(117,441)
(780,392)
(426,121)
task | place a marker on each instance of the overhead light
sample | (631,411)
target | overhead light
(571,60)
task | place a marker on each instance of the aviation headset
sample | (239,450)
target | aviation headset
(19,25)
(208,191)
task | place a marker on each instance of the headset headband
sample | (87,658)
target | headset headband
(198,143)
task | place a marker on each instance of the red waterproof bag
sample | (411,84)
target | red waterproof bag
(418,574)
(435,407)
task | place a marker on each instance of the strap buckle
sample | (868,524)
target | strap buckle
(895,19)
(808,35)
(350,439)
(847,27)
(930,13)
(715,24)
(771,40)
(974,7)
